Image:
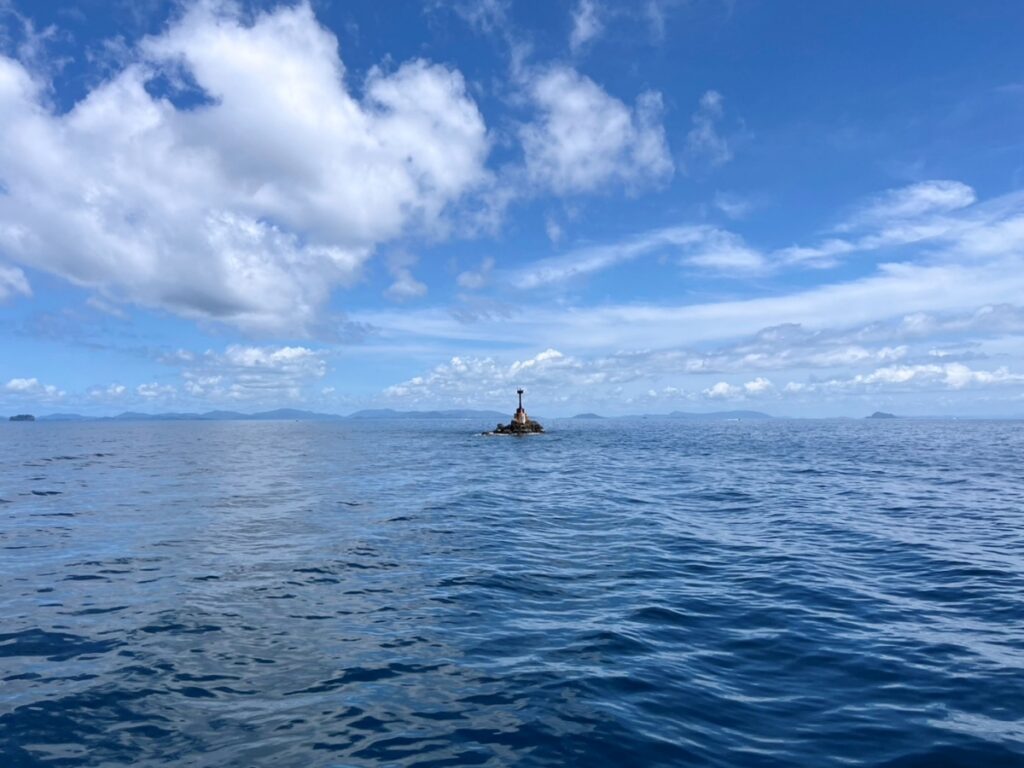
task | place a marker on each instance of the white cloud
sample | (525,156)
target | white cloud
(405,285)
(586,24)
(111,393)
(586,139)
(250,207)
(484,15)
(29,43)
(924,376)
(726,252)
(474,280)
(553,230)
(656,13)
(893,290)
(472,380)
(698,245)
(758,386)
(12,281)
(22,385)
(836,362)
(154,391)
(980,231)
(723,390)
(31,387)
(929,211)
(273,358)
(935,196)
(732,205)
(704,140)
(264,374)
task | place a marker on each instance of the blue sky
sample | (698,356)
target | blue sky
(810,209)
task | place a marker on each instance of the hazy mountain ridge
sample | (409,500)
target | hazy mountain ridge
(376,414)
(457,413)
(280,414)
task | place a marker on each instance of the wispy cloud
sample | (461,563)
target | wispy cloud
(13,281)
(404,286)
(698,245)
(705,141)
(475,279)
(911,202)
(952,376)
(586,24)
(893,290)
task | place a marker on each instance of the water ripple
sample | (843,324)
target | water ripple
(650,593)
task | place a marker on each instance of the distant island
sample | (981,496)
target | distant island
(882,415)
(23,417)
(587,416)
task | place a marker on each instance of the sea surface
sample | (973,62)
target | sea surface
(627,593)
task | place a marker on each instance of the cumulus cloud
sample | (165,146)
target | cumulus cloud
(471,380)
(22,385)
(585,139)
(723,390)
(586,24)
(156,391)
(34,389)
(109,392)
(252,203)
(253,373)
(757,386)
(704,140)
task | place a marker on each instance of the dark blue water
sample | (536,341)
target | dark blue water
(652,593)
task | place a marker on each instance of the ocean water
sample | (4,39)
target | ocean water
(783,593)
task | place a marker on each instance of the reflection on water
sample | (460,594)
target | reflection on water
(648,593)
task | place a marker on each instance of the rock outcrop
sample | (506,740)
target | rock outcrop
(521,424)
(515,428)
